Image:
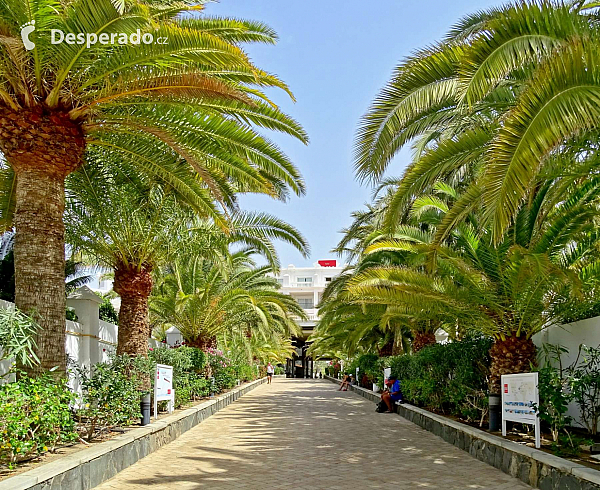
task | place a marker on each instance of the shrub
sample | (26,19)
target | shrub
(553,390)
(188,364)
(16,336)
(369,365)
(110,394)
(34,417)
(449,377)
(107,311)
(179,358)
(279,370)
(245,372)
(584,380)
(222,368)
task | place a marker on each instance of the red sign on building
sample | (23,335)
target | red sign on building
(328,263)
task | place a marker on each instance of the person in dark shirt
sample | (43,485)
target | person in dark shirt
(392,394)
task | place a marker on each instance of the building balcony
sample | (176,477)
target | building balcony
(311,313)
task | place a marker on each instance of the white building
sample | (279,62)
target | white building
(306,285)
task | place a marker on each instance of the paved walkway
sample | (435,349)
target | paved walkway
(304,434)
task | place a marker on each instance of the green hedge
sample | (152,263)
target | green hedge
(449,378)
(369,364)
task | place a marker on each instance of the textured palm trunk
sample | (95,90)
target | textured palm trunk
(422,340)
(203,342)
(42,149)
(387,349)
(510,356)
(134,287)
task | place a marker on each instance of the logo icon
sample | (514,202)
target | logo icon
(27,29)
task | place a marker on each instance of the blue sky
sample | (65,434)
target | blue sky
(335,55)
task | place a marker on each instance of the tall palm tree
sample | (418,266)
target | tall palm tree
(134,226)
(192,96)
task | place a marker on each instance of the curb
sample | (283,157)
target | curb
(534,467)
(90,467)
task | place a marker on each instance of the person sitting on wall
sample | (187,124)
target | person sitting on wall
(392,393)
(347,381)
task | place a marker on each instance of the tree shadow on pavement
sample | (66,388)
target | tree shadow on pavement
(304,434)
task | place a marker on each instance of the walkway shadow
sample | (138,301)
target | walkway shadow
(303,434)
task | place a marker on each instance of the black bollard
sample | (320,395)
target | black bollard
(495,415)
(145,408)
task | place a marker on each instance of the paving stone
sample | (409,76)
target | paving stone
(304,434)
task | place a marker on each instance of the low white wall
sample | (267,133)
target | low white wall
(571,336)
(88,341)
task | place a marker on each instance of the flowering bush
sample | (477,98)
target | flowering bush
(34,417)
(222,368)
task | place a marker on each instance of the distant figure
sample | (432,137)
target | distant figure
(270,371)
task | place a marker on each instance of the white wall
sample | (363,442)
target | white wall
(89,340)
(571,336)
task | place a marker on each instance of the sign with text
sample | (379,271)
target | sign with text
(163,387)
(520,396)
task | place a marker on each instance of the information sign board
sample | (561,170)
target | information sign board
(163,387)
(520,396)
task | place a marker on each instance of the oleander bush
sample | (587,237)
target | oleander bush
(189,372)
(245,372)
(222,369)
(41,414)
(35,417)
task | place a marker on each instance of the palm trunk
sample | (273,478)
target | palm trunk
(42,149)
(203,342)
(134,287)
(40,264)
(387,349)
(510,356)
(422,340)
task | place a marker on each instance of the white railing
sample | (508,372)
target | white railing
(311,313)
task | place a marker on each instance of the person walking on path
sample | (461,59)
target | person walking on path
(270,371)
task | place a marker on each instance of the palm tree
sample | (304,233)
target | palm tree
(510,291)
(501,109)
(205,298)
(500,65)
(193,97)
(134,226)
(353,322)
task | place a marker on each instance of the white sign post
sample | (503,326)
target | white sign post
(520,396)
(387,372)
(163,387)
